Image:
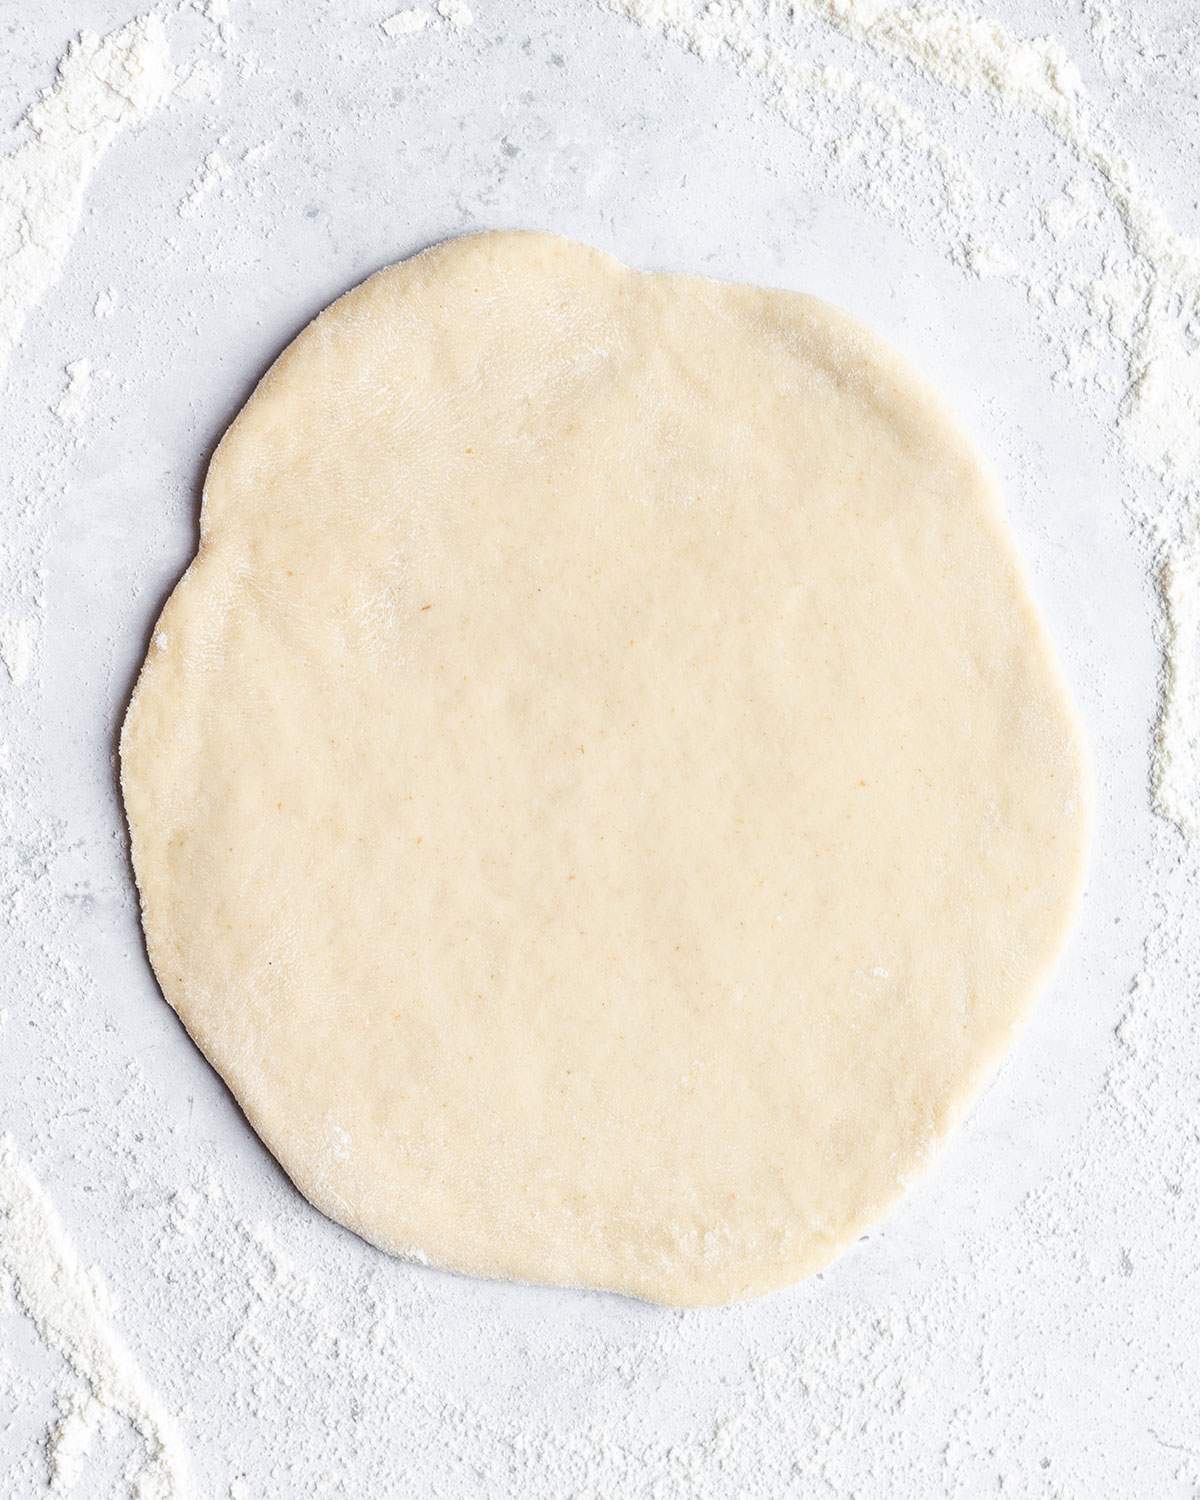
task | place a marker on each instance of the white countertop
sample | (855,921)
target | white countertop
(1028,1322)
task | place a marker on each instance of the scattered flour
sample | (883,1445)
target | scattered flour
(201,78)
(213,173)
(18,635)
(72,405)
(406,23)
(1177,733)
(343,1370)
(69,1307)
(1077,205)
(984,259)
(70,1439)
(1155,309)
(456,14)
(412,21)
(104,85)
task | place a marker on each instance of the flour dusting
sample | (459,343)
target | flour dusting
(213,173)
(406,23)
(68,1305)
(18,636)
(70,1440)
(301,1362)
(72,405)
(1176,770)
(104,86)
(456,14)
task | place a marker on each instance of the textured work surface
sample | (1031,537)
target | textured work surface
(931,182)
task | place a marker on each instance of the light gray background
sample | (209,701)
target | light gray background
(1026,1322)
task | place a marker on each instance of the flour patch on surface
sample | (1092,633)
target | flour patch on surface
(18,636)
(104,86)
(69,1306)
(406,23)
(457,15)
(211,176)
(1176,769)
(72,405)
(70,1440)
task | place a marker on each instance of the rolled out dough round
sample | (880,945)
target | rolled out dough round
(601,795)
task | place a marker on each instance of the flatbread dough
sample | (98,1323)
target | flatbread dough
(601,795)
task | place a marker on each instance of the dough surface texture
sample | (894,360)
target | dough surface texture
(601,795)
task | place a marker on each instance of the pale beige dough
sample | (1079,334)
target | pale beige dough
(601,795)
